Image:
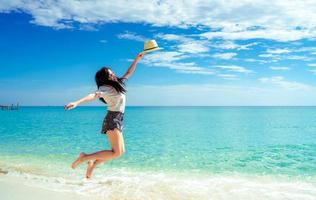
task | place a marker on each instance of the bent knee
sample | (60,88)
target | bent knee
(118,153)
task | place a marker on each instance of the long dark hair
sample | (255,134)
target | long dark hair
(102,78)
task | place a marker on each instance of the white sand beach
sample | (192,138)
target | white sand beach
(13,188)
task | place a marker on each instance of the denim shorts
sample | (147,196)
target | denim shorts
(113,119)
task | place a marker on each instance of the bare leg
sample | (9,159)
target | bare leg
(117,142)
(100,155)
(91,166)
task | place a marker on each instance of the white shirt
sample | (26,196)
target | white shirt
(115,100)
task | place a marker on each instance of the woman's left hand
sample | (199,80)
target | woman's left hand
(140,55)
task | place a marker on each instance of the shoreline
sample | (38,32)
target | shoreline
(139,185)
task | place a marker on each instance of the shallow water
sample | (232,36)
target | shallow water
(196,152)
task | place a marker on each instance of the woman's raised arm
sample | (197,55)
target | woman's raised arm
(131,69)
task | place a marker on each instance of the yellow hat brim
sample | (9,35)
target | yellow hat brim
(150,50)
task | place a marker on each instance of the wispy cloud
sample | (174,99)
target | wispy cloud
(225,56)
(203,44)
(228,76)
(173,37)
(313,71)
(188,68)
(278,51)
(132,36)
(312,64)
(257,60)
(193,47)
(186,44)
(298,57)
(311,49)
(227,44)
(280,68)
(281,35)
(164,56)
(87,27)
(269,56)
(234,68)
(281,82)
(172,60)
(277,55)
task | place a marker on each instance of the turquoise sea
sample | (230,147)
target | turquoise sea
(171,152)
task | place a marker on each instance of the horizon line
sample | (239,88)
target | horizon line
(177,106)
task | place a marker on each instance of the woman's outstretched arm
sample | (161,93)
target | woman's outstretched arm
(131,69)
(89,97)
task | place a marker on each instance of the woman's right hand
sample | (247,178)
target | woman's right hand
(70,106)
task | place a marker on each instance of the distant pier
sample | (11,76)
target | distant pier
(10,107)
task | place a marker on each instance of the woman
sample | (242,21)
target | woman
(111,90)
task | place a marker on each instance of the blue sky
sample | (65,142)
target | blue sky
(214,53)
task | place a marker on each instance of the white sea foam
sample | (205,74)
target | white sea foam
(126,184)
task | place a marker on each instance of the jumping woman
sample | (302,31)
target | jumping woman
(111,90)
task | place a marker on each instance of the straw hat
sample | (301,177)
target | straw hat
(150,45)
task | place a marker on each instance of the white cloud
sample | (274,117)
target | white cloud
(280,68)
(227,44)
(280,20)
(282,35)
(313,71)
(227,76)
(173,37)
(186,44)
(87,27)
(224,56)
(164,56)
(312,64)
(132,36)
(188,68)
(255,60)
(193,47)
(268,56)
(234,68)
(281,82)
(190,43)
(305,49)
(172,60)
(297,57)
(278,51)
(280,56)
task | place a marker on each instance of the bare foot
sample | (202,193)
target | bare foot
(78,161)
(90,168)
